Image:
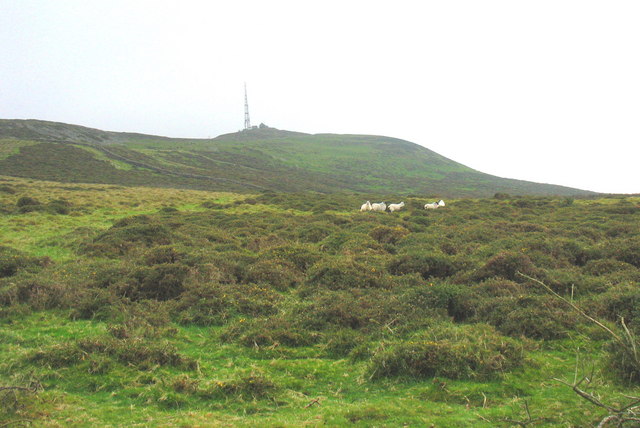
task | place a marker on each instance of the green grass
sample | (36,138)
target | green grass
(283,299)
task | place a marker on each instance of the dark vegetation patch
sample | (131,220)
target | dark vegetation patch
(403,297)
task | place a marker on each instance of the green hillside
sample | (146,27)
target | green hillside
(258,159)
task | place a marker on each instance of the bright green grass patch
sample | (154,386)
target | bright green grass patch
(120,394)
(10,147)
(101,156)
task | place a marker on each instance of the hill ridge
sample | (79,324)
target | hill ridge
(263,158)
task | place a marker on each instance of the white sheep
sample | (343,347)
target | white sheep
(366,206)
(434,205)
(396,207)
(379,207)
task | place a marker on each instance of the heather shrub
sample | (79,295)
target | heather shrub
(277,273)
(134,351)
(272,331)
(621,302)
(27,201)
(160,282)
(350,308)
(303,256)
(388,235)
(605,266)
(427,265)
(12,261)
(535,317)
(431,297)
(506,264)
(455,352)
(59,206)
(341,342)
(342,273)
(5,188)
(42,292)
(575,253)
(94,303)
(316,231)
(251,385)
(161,254)
(627,251)
(623,360)
(128,234)
(498,287)
(202,304)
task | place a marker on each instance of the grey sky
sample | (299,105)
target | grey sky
(541,90)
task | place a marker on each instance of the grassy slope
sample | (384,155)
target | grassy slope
(250,160)
(120,394)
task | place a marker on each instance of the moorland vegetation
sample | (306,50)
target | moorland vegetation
(248,161)
(132,306)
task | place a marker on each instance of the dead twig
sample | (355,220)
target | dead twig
(312,402)
(33,387)
(575,308)
(620,415)
(526,422)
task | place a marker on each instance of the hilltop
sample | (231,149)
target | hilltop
(258,159)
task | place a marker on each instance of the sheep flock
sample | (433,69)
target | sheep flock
(381,206)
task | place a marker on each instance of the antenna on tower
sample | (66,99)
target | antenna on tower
(247,122)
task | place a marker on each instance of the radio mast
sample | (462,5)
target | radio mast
(247,122)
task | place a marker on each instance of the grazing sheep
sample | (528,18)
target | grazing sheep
(366,206)
(396,207)
(379,207)
(434,205)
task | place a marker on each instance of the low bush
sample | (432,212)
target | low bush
(26,201)
(277,273)
(627,251)
(203,304)
(341,342)
(128,234)
(456,352)
(5,188)
(341,273)
(506,264)
(273,331)
(162,254)
(134,351)
(251,385)
(621,302)
(427,265)
(12,261)
(316,231)
(535,317)
(388,235)
(59,206)
(359,309)
(429,298)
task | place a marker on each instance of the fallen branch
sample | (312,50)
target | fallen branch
(33,387)
(526,422)
(627,413)
(314,401)
(576,308)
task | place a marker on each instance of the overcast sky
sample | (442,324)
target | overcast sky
(547,91)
